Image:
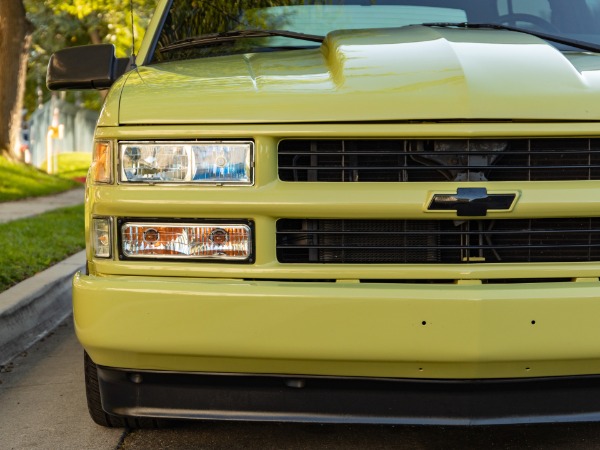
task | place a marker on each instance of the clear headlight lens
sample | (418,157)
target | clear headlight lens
(186,241)
(101,237)
(187,162)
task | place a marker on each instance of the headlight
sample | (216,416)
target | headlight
(187,162)
(186,241)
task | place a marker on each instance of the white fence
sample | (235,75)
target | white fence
(79,124)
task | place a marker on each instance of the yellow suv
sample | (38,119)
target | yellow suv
(345,211)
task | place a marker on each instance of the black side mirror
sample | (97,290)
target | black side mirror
(85,67)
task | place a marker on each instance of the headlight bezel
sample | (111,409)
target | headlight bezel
(249,168)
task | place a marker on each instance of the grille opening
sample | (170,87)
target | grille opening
(443,241)
(397,160)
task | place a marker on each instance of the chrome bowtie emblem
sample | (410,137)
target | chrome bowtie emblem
(471,202)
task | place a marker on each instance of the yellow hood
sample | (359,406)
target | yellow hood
(401,74)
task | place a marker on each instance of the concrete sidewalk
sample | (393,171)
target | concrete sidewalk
(32,308)
(38,205)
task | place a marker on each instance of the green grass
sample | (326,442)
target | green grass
(34,244)
(74,165)
(31,245)
(19,181)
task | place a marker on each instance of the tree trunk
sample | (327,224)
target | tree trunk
(94,35)
(15,39)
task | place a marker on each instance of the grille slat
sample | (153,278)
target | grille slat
(446,241)
(397,160)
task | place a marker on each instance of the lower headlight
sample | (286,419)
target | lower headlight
(186,241)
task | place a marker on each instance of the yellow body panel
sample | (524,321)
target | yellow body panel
(343,329)
(409,73)
(203,317)
(333,319)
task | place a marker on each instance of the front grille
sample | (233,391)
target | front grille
(439,160)
(440,241)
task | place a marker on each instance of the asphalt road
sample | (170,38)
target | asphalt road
(42,406)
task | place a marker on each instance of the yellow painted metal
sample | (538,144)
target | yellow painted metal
(408,73)
(271,199)
(340,200)
(429,83)
(151,31)
(381,329)
(109,116)
(419,129)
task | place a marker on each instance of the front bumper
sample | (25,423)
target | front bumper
(345,400)
(344,329)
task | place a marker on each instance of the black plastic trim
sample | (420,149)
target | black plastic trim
(349,400)
(84,67)
(152,49)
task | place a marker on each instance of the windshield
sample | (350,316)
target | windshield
(191,21)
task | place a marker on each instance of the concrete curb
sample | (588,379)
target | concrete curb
(32,308)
